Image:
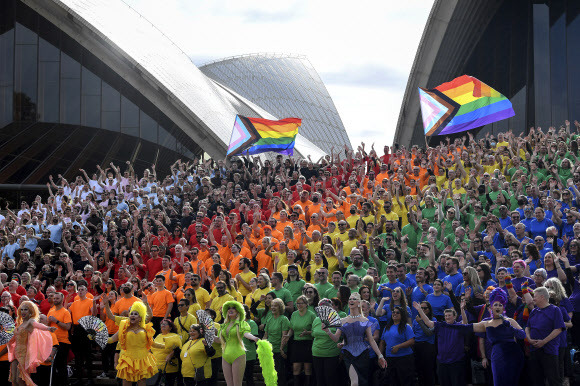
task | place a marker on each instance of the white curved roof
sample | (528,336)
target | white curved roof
(165,66)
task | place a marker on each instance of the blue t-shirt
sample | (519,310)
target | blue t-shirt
(55,233)
(439,303)
(418,296)
(455,280)
(392,337)
(420,335)
(538,228)
(387,316)
(384,292)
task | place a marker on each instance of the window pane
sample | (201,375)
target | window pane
(6,77)
(48,91)
(542,65)
(91,83)
(91,111)
(47,52)
(111,106)
(148,128)
(25,35)
(25,75)
(129,117)
(167,140)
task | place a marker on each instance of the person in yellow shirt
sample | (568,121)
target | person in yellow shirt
(190,296)
(167,341)
(222,297)
(353,217)
(184,321)
(201,293)
(195,356)
(243,278)
(263,288)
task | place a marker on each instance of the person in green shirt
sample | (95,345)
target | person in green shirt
(322,285)
(276,327)
(301,330)
(357,263)
(294,284)
(250,349)
(412,230)
(336,282)
(282,293)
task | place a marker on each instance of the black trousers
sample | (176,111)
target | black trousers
(188,381)
(108,357)
(42,376)
(326,370)
(156,321)
(82,348)
(425,362)
(249,372)
(544,367)
(451,374)
(401,370)
(280,366)
(60,372)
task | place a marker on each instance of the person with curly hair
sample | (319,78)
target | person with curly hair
(30,346)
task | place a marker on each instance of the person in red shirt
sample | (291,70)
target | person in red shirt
(47,303)
(154,263)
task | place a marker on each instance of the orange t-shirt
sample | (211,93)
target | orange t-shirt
(123,304)
(89,296)
(159,302)
(63,315)
(180,293)
(80,308)
(225,254)
(203,255)
(235,265)
(168,282)
(264,261)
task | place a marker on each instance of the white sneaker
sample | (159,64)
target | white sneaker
(102,376)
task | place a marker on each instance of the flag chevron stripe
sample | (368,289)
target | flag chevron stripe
(257,135)
(474,103)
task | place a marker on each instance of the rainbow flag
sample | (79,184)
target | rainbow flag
(463,104)
(257,135)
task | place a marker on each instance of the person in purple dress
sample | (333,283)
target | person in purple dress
(355,328)
(507,358)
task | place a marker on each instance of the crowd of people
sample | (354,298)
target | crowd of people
(451,264)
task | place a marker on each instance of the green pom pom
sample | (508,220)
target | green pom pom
(266,357)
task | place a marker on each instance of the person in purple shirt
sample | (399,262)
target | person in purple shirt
(543,328)
(453,276)
(519,267)
(450,351)
(539,225)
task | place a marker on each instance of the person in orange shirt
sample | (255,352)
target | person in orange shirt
(224,249)
(108,357)
(235,263)
(291,242)
(203,254)
(273,223)
(60,317)
(167,271)
(79,339)
(264,260)
(215,259)
(161,302)
(315,225)
(284,222)
(268,233)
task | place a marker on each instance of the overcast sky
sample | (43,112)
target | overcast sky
(362,50)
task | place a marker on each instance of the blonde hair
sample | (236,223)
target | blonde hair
(141,309)
(473,279)
(356,296)
(557,287)
(34,314)
(280,305)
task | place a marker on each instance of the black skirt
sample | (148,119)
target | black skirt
(301,351)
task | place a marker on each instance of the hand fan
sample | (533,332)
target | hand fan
(96,329)
(328,316)
(6,328)
(207,322)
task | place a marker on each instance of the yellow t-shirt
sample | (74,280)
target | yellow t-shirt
(202,296)
(186,322)
(314,247)
(258,294)
(193,357)
(246,277)
(171,341)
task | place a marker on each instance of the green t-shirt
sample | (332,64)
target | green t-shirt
(250,344)
(330,293)
(322,288)
(424,263)
(274,328)
(283,294)
(429,213)
(323,346)
(382,267)
(295,288)
(411,233)
(359,272)
(301,323)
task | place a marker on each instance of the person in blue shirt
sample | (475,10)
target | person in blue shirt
(396,343)
(403,278)
(471,281)
(453,276)
(438,300)
(539,225)
(528,216)
(425,351)
(392,283)
(386,306)
(515,219)
(55,229)
(420,291)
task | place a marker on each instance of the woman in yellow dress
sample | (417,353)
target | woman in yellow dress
(195,358)
(136,363)
(30,346)
(166,362)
